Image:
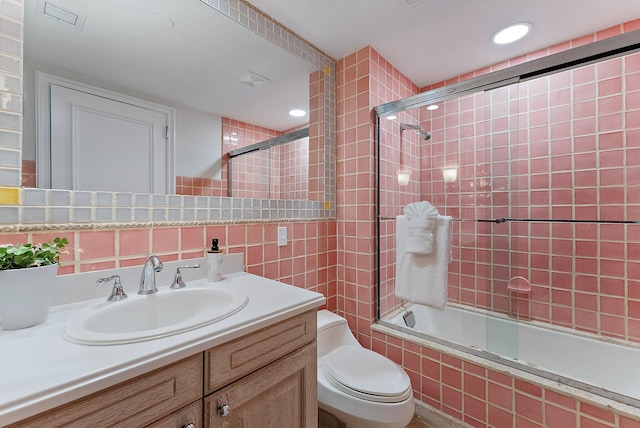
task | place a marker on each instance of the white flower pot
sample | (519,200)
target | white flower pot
(25,296)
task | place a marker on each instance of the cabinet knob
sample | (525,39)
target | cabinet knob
(224,410)
(189,425)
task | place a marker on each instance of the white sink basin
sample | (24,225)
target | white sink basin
(165,313)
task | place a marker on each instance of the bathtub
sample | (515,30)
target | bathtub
(581,361)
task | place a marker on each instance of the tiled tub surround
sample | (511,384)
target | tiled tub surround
(251,172)
(281,172)
(561,147)
(484,394)
(254,171)
(584,276)
(573,360)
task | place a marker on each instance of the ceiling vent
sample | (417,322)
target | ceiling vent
(60,14)
(253,79)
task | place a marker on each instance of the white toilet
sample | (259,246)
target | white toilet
(360,387)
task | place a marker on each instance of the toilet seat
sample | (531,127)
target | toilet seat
(365,374)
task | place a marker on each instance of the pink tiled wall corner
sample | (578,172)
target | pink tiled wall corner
(450,384)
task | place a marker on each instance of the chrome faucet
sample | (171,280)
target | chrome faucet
(148,278)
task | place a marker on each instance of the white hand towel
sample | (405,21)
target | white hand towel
(423,278)
(421,218)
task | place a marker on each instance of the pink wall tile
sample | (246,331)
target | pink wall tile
(97,244)
(165,240)
(134,242)
(94,266)
(28,173)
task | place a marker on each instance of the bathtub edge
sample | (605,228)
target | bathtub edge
(526,373)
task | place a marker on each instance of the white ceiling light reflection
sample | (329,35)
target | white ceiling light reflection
(297,113)
(433,107)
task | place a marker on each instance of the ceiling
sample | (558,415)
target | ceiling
(433,40)
(192,55)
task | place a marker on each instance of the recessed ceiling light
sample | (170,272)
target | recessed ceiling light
(433,107)
(392,117)
(512,33)
(297,113)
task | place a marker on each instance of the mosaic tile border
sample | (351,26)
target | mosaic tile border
(44,209)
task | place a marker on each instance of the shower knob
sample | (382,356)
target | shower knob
(224,410)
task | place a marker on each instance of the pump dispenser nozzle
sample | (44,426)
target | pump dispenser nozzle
(214,262)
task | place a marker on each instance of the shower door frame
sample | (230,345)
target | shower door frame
(595,52)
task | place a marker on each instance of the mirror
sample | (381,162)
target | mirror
(271,169)
(216,75)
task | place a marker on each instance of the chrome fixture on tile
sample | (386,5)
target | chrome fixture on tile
(177,280)
(424,134)
(404,172)
(148,278)
(117,292)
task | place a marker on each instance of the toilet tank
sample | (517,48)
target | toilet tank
(333,331)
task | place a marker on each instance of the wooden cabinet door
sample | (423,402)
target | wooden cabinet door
(190,415)
(233,360)
(282,394)
(134,403)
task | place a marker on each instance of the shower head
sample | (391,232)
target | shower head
(424,134)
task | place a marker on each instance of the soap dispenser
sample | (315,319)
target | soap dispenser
(214,262)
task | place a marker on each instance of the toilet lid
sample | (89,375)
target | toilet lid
(365,374)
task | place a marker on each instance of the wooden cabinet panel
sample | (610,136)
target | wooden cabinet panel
(191,414)
(134,403)
(282,394)
(232,360)
(268,378)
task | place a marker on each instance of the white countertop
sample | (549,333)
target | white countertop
(40,369)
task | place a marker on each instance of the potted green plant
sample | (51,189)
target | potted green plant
(27,274)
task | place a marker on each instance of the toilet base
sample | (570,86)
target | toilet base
(344,420)
(329,420)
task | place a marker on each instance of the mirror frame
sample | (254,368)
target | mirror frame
(23,209)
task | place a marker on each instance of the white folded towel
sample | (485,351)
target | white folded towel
(421,219)
(423,278)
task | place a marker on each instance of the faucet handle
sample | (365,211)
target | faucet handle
(177,280)
(117,292)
